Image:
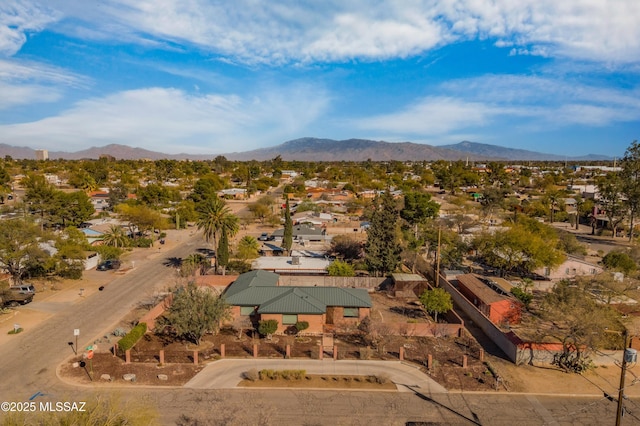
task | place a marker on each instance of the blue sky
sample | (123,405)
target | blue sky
(203,76)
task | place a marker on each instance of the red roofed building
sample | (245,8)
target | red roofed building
(500,309)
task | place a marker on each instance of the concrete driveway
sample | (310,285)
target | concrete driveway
(227,373)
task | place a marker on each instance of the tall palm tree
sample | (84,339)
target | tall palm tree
(214,218)
(115,237)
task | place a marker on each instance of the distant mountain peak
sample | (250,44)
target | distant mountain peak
(319,149)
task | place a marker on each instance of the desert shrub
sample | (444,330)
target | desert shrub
(382,378)
(268,374)
(132,337)
(252,375)
(366,353)
(119,332)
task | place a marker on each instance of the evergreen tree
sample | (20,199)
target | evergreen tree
(631,182)
(223,250)
(287,239)
(382,250)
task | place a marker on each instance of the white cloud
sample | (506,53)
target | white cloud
(430,116)
(173,121)
(18,17)
(306,31)
(531,102)
(24,83)
(13,95)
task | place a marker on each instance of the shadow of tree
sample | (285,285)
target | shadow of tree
(173,262)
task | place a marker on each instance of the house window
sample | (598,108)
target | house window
(289,319)
(547,272)
(350,313)
(246,310)
(566,271)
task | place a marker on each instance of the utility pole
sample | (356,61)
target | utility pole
(629,356)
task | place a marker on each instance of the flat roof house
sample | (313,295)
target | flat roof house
(257,295)
(500,309)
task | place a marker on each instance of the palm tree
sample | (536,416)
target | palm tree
(115,237)
(194,262)
(214,218)
(248,248)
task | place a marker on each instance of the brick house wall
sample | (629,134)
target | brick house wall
(316,322)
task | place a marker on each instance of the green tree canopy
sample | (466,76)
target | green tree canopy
(338,268)
(18,247)
(196,311)
(436,301)
(418,207)
(525,246)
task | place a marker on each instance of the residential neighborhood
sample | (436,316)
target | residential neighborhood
(475,275)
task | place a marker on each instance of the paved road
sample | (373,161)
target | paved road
(29,361)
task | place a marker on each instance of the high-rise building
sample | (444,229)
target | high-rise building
(42,154)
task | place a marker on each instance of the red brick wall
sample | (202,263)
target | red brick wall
(155,312)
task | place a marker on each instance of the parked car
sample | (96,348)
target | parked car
(16,295)
(23,289)
(108,264)
(263,237)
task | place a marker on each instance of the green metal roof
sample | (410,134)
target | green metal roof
(259,288)
(252,279)
(293,301)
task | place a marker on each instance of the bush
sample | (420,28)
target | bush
(301,326)
(132,337)
(619,261)
(109,252)
(522,296)
(267,327)
(143,242)
(252,375)
(238,266)
(382,378)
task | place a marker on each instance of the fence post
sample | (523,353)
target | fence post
(255,350)
(401,354)
(222,350)
(481,355)
(320,352)
(335,352)
(429,361)
(195,357)
(115,349)
(161,356)
(287,352)
(127,356)
(464,361)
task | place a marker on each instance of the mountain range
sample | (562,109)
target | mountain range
(314,149)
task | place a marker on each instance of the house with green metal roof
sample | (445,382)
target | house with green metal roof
(257,295)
